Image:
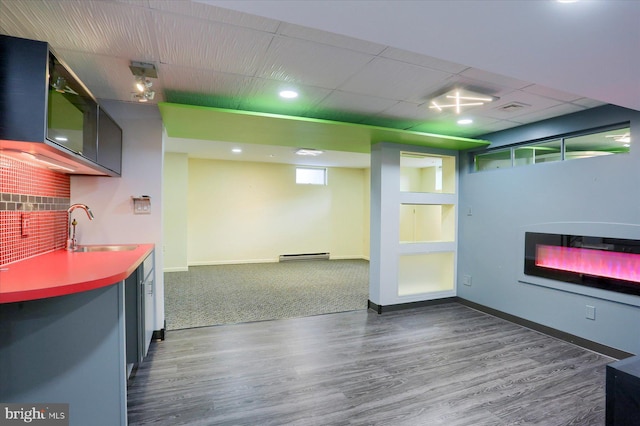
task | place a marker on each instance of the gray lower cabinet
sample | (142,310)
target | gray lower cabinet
(139,306)
(67,349)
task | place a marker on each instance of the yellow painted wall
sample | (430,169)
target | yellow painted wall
(254,212)
(175,188)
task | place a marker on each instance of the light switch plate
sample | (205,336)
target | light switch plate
(141,205)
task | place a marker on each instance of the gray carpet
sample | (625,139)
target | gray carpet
(227,294)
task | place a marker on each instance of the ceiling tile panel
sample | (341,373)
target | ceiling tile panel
(262,96)
(390,79)
(330,39)
(536,89)
(401,115)
(176,77)
(423,61)
(530,103)
(106,77)
(96,27)
(199,10)
(198,43)
(300,61)
(498,80)
(543,114)
(353,102)
(587,103)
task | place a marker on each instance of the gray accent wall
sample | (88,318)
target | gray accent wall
(593,196)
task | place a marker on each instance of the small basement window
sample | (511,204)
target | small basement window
(311,175)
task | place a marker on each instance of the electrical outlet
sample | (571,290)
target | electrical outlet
(590,312)
(466,280)
(24,226)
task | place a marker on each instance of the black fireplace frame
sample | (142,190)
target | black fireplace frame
(619,245)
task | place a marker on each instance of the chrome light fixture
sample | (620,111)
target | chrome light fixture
(143,72)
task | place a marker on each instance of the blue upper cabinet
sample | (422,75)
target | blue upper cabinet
(49,117)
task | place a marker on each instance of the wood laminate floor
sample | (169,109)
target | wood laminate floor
(440,365)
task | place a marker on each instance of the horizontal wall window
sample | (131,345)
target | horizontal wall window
(585,145)
(311,175)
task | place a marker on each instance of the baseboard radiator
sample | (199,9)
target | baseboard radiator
(304,256)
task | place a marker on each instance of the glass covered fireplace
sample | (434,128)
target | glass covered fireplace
(607,263)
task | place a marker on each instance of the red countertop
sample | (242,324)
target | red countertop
(61,272)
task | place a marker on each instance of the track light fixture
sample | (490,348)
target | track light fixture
(143,72)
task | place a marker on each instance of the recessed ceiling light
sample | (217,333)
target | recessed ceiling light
(309,152)
(567,1)
(465,121)
(236,150)
(288,94)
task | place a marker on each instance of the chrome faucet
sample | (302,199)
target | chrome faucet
(72,244)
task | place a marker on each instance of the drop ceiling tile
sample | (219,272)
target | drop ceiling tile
(500,80)
(401,115)
(531,103)
(200,10)
(210,45)
(536,89)
(588,103)
(106,77)
(553,111)
(409,110)
(331,39)
(422,60)
(458,81)
(386,78)
(346,102)
(262,95)
(176,77)
(101,27)
(315,64)
(10,23)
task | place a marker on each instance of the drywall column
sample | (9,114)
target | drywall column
(385,220)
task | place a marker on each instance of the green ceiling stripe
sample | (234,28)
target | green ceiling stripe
(227,125)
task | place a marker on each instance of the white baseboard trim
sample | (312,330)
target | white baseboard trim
(238,262)
(355,257)
(231,262)
(177,269)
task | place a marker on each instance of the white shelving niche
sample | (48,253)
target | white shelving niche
(427,226)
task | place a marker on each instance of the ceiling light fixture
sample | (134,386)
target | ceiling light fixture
(309,152)
(288,94)
(457,99)
(143,72)
(236,150)
(465,121)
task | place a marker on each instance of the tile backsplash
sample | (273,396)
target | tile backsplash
(33,209)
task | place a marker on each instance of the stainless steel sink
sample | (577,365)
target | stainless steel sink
(123,247)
